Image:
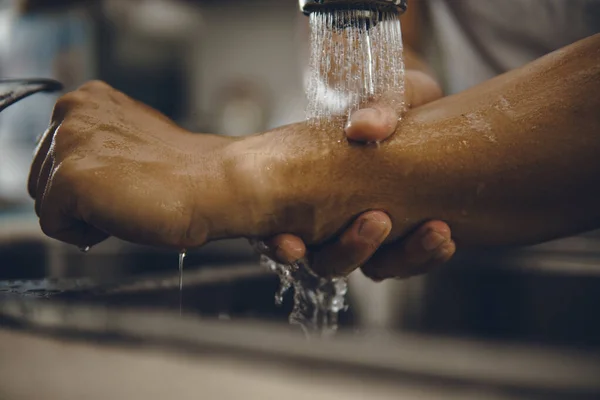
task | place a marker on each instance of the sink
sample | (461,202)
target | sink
(104,352)
(545,294)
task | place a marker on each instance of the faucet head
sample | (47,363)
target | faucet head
(310,6)
(18,89)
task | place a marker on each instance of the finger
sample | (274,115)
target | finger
(372,124)
(43,180)
(59,220)
(354,247)
(430,246)
(284,248)
(420,89)
(63,106)
(444,255)
(378,122)
(40,154)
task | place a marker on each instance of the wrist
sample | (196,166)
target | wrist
(248,169)
(282,180)
(211,187)
(313,182)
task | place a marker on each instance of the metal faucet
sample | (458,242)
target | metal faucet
(18,89)
(309,6)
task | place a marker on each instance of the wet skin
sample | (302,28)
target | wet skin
(511,161)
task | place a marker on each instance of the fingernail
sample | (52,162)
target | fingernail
(432,240)
(365,115)
(374,228)
(289,253)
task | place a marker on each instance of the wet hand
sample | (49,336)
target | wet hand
(360,244)
(109,165)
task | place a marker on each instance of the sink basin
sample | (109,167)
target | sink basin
(69,351)
(545,294)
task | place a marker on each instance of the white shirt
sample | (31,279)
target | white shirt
(474,40)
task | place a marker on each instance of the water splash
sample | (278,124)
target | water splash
(356,58)
(317,301)
(182,255)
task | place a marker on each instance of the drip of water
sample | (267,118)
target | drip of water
(84,249)
(354,60)
(182,255)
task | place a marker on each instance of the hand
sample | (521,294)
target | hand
(430,246)
(109,165)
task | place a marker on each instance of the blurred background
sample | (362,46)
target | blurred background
(236,67)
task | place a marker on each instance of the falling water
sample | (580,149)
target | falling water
(84,249)
(317,301)
(182,255)
(356,59)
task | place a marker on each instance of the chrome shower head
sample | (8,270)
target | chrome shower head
(310,6)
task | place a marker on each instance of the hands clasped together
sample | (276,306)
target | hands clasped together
(111,166)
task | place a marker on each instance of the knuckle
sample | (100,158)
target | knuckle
(95,86)
(67,103)
(71,99)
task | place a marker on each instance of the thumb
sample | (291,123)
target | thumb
(379,121)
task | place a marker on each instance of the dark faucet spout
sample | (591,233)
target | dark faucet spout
(18,89)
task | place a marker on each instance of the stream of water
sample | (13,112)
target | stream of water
(356,58)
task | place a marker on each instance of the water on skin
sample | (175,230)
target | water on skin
(353,61)
(182,255)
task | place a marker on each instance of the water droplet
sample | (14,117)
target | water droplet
(182,255)
(85,249)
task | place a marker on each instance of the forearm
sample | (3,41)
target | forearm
(514,160)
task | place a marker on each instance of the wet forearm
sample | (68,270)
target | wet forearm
(515,160)
(512,161)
